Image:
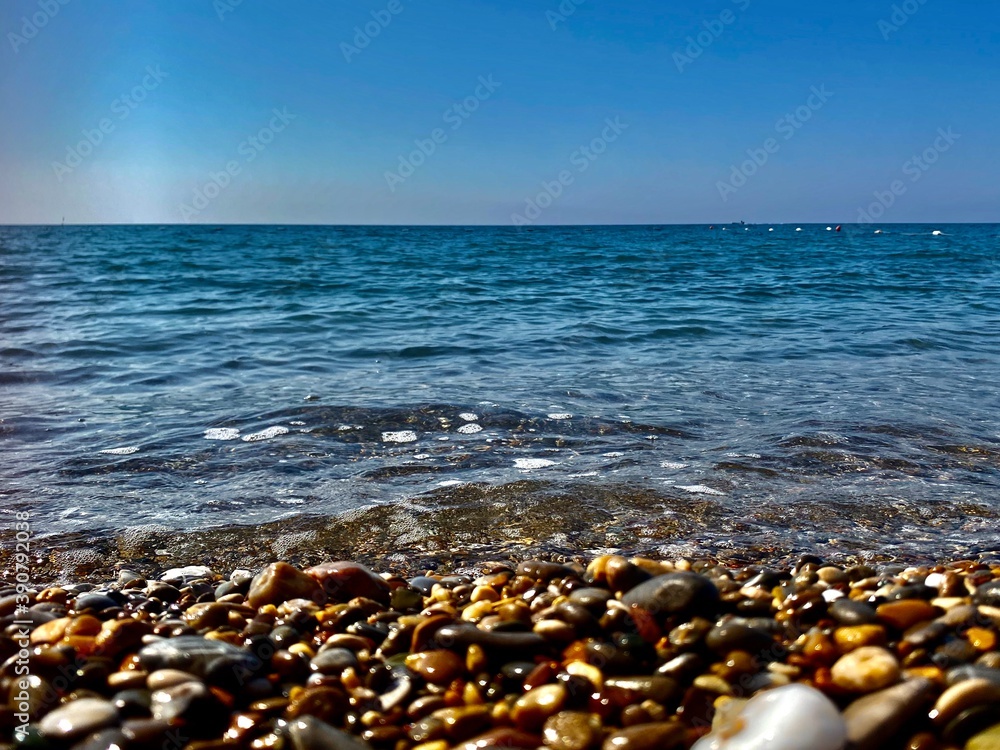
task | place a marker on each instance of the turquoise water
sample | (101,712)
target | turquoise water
(807,386)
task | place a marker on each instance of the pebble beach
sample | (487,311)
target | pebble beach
(577,654)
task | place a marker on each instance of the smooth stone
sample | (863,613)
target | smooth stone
(988,594)
(437,667)
(616,572)
(594,600)
(94,603)
(865,670)
(310,733)
(858,636)
(333,661)
(572,730)
(106,739)
(502,739)
(532,709)
(197,655)
(850,612)
(674,594)
(793,717)
(344,580)
(327,703)
(963,696)
(875,719)
(163,592)
(186,574)
(906,613)
(660,735)
(735,635)
(144,732)
(464,634)
(462,722)
(118,636)
(132,703)
(164,678)
(973,672)
(650,687)
(423,584)
(541,570)
(279,582)
(986,740)
(78,718)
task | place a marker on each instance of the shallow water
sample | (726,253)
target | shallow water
(695,389)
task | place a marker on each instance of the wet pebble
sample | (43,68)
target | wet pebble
(78,718)
(865,670)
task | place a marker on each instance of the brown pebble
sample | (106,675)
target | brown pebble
(438,667)
(906,613)
(656,736)
(531,710)
(279,582)
(858,636)
(572,730)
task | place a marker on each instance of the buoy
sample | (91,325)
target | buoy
(937,232)
(771,229)
(798,229)
(878,231)
(838,227)
(829,229)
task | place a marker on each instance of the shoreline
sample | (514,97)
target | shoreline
(602,652)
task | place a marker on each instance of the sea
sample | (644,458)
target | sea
(656,389)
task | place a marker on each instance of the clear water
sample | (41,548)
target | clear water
(794,388)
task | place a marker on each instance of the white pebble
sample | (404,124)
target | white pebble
(793,717)
(470,429)
(468,416)
(560,415)
(698,489)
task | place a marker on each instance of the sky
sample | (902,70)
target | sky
(498,111)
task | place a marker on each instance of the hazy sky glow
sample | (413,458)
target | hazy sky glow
(472,112)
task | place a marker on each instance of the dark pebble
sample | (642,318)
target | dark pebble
(849,612)
(675,594)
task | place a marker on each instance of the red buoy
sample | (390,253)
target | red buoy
(838,228)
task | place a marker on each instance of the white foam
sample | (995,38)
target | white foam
(698,489)
(450,483)
(422,456)
(532,463)
(672,465)
(297,423)
(128,450)
(468,416)
(222,433)
(613,454)
(470,429)
(401,436)
(265,434)
(560,415)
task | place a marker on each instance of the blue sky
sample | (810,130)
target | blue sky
(584,111)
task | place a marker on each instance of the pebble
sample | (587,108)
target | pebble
(197,655)
(531,710)
(851,612)
(309,733)
(865,670)
(78,718)
(438,667)
(279,582)
(906,613)
(343,581)
(988,739)
(572,730)
(793,717)
(963,696)
(651,736)
(873,720)
(675,594)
